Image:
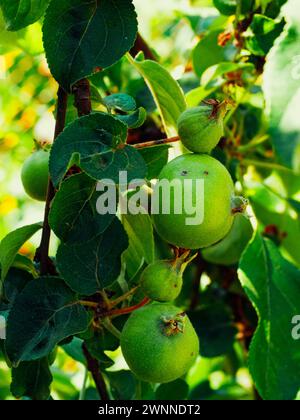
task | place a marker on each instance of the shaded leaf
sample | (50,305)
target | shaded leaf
(135,119)
(32,379)
(120,101)
(175,391)
(123,384)
(14,283)
(97,141)
(43,314)
(89,267)
(214,326)
(73,215)
(74,350)
(91,34)
(156,158)
(20,13)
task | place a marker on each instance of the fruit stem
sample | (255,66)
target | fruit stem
(123,297)
(123,311)
(106,322)
(238,204)
(155,142)
(42,253)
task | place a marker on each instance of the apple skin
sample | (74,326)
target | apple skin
(152,352)
(161,281)
(35,174)
(216,201)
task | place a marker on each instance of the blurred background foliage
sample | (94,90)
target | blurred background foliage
(185,35)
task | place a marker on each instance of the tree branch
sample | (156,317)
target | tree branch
(42,253)
(94,367)
(82,95)
(141,45)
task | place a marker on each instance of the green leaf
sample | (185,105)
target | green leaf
(74,350)
(89,267)
(212,79)
(135,119)
(262,33)
(120,101)
(175,391)
(26,264)
(32,380)
(88,35)
(123,384)
(207,53)
(281,87)
(14,283)
(272,209)
(139,229)
(73,216)
(273,286)
(166,92)
(21,13)
(44,313)
(214,326)
(156,158)
(97,140)
(11,244)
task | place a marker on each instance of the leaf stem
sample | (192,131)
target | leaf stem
(123,297)
(42,253)
(156,142)
(106,322)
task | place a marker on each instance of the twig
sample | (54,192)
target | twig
(94,367)
(128,310)
(141,45)
(82,96)
(42,253)
(156,142)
